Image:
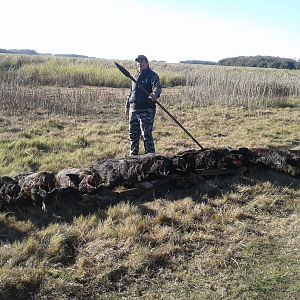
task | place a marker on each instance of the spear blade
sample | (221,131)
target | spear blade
(123,70)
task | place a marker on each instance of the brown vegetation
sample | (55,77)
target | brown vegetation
(229,237)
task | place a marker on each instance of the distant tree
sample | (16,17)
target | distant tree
(200,62)
(289,64)
(33,52)
(23,51)
(260,61)
(72,55)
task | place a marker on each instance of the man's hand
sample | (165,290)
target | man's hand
(152,97)
(127,107)
(127,112)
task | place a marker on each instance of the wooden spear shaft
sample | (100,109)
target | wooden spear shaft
(127,74)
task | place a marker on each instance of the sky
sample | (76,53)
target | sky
(163,30)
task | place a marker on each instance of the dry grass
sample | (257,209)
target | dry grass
(224,238)
(201,85)
(39,142)
(241,244)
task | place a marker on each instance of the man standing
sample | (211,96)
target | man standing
(140,108)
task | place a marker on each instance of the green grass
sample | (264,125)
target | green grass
(27,144)
(73,72)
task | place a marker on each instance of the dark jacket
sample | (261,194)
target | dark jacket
(137,98)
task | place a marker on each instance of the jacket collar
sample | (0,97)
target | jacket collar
(144,71)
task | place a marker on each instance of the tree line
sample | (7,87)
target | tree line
(242,61)
(261,62)
(19,51)
(199,62)
(33,52)
(252,61)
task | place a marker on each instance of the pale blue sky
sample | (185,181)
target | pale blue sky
(162,30)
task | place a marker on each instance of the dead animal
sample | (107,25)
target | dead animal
(285,161)
(220,159)
(9,190)
(70,177)
(185,161)
(132,170)
(82,179)
(140,175)
(40,187)
(90,182)
(73,182)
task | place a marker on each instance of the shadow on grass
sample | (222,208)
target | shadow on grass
(10,234)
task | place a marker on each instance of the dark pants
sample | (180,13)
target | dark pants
(141,123)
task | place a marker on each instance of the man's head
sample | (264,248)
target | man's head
(142,62)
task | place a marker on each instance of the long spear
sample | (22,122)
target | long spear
(127,74)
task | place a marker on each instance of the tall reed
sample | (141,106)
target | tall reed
(28,83)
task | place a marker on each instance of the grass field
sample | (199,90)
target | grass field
(224,238)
